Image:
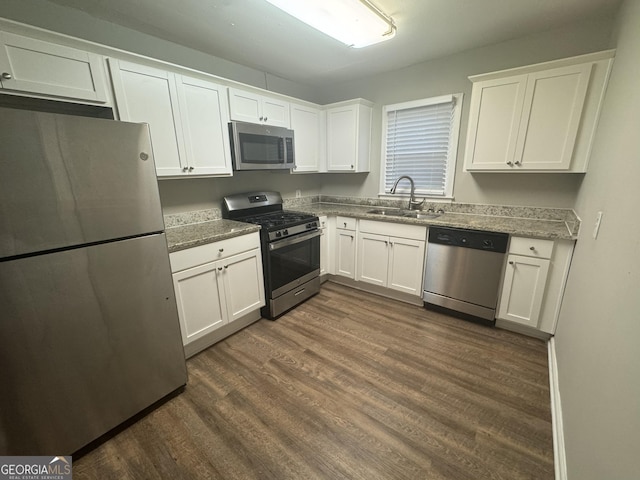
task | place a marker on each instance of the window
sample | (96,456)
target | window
(420,139)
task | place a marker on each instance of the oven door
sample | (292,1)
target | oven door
(292,261)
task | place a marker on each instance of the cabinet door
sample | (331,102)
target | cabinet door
(204,117)
(345,253)
(523,290)
(373,259)
(342,138)
(149,95)
(243,283)
(406,262)
(494,121)
(553,105)
(244,106)
(275,112)
(305,122)
(30,65)
(201,305)
(324,245)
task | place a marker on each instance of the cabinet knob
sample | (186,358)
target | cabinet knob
(510,262)
(386,243)
(533,249)
(191,169)
(351,167)
(351,236)
(265,119)
(262,119)
(510,164)
(219,268)
(221,250)
(518,163)
(345,224)
(6,76)
(184,169)
(226,266)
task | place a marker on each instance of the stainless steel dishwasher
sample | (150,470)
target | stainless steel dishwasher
(463,270)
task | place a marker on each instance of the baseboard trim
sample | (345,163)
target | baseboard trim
(559,454)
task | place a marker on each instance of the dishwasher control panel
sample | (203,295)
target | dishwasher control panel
(477,239)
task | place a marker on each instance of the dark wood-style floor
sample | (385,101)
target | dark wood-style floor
(348,385)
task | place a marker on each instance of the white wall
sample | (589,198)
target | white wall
(449,75)
(598,336)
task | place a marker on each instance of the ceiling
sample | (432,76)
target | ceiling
(257,34)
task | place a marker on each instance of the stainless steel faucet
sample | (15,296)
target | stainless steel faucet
(412,200)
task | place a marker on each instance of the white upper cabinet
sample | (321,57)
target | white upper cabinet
(348,136)
(205,122)
(537,118)
(254,108)
(149,95)
(43,68)
(306,125)
(187,118)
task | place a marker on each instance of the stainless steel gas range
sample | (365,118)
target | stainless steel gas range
(290,243)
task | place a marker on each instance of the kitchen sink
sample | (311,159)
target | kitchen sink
(396,212)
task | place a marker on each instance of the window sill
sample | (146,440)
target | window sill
(427,198)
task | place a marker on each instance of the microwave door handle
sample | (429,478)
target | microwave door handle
(293,240)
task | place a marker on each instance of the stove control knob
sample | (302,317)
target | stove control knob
(487,243)
(286,232)
(278,234)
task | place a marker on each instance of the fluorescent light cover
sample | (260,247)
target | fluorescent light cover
(356,23)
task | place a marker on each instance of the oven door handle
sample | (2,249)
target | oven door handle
(293,240)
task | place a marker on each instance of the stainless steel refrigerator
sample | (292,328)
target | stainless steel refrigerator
(89,332)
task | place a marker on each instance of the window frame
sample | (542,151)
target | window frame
(453,146)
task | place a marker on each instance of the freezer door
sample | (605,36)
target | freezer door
(69,180)
(88,338)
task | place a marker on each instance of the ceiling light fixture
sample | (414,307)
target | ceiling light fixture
(356,23)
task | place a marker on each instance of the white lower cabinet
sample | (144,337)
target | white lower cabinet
(523,289)
(324,245)
(535,276)
(391,261)
(215,285)
(345,247)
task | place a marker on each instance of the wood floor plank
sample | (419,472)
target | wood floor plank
(348,385)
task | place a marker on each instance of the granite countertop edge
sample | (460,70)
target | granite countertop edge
(192,235)
(526,227)
(182,237)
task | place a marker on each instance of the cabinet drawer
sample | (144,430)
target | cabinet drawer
(211,252)
(531,247)
(391,229)
(346,223)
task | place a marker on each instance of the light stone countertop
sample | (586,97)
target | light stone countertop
(203,227)
(526,227)
(187,236)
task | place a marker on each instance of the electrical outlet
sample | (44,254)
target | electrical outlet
(298,193)
(597,225)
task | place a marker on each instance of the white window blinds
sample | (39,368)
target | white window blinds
(421,141)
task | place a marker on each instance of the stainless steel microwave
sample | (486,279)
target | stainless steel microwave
(261,147)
